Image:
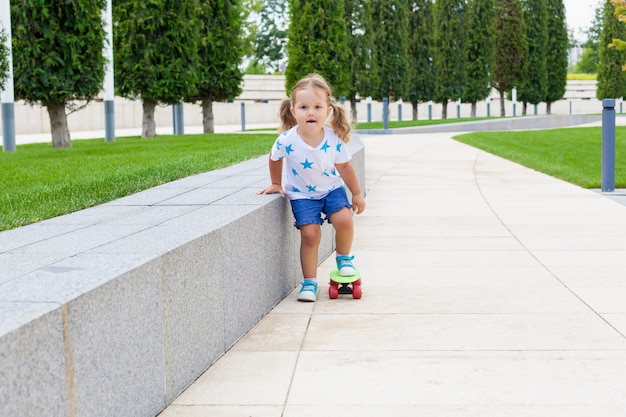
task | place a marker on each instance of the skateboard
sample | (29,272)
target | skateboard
(344,285)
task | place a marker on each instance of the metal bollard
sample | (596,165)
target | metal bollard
(243,116)
(608,144)
(385,113)
(180,124)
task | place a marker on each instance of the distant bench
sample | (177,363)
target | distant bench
(116,309)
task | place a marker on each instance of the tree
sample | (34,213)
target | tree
(220,50)
(318,43)
(556,50)
(362,51)
(510,48)
(449,57)
(421,44)
(534,88)
(57,57)
(4,58)
(611,79)
(156,53)
(390,18)
(479,51)
(590,57)
(271,35)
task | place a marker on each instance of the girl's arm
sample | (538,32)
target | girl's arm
(347,172)
(276,176)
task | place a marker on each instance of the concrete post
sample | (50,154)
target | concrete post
(608,144)
(369,109)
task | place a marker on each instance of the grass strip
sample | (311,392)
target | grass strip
(412,123)
(39,182)
(571,154)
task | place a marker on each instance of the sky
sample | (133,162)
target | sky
(579,15)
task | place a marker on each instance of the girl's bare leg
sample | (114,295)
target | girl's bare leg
(344,230)
(311,235)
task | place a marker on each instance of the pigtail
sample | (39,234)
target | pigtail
(287,119)
(340,123)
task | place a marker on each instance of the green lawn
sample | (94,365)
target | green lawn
(38,182)
(572,154)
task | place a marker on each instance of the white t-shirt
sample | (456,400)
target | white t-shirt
(310,172)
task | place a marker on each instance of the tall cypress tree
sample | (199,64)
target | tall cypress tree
(221,51)
(4,58)
(421,44)
(391,20)
(57,57)
(449,56)
(611,78)
(479,51)
(556,51)
(156,53)
(534,88)
(362,51)
(318,43)
(510,48)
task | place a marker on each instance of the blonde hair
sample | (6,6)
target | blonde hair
(339,121)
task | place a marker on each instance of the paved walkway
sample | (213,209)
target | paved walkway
(489,290)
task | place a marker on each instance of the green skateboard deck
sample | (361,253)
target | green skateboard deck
(334,275)
(344,285)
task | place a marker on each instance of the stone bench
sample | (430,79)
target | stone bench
(116,309)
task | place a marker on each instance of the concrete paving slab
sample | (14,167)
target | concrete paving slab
(489,289)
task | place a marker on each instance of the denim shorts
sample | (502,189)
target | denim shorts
(309,211)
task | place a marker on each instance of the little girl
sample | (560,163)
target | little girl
(317,166)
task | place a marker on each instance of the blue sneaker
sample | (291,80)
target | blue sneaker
(345,267)
(308,292)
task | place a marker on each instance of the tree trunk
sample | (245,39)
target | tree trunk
(208,124)
(549,107)
(473,111)
(502,109)
(355,119)
(444,109)
(58,126)
(415,115)
(148,128)
(524,108)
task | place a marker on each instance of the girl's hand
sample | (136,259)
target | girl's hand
(273,189)
(358,203)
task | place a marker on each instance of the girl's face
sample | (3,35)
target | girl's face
(310,108)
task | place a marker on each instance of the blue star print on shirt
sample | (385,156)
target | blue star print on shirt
(294,172)
(278,144)
(306,164)
(289,149)
(325,146)
(339,147)
(311,188)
